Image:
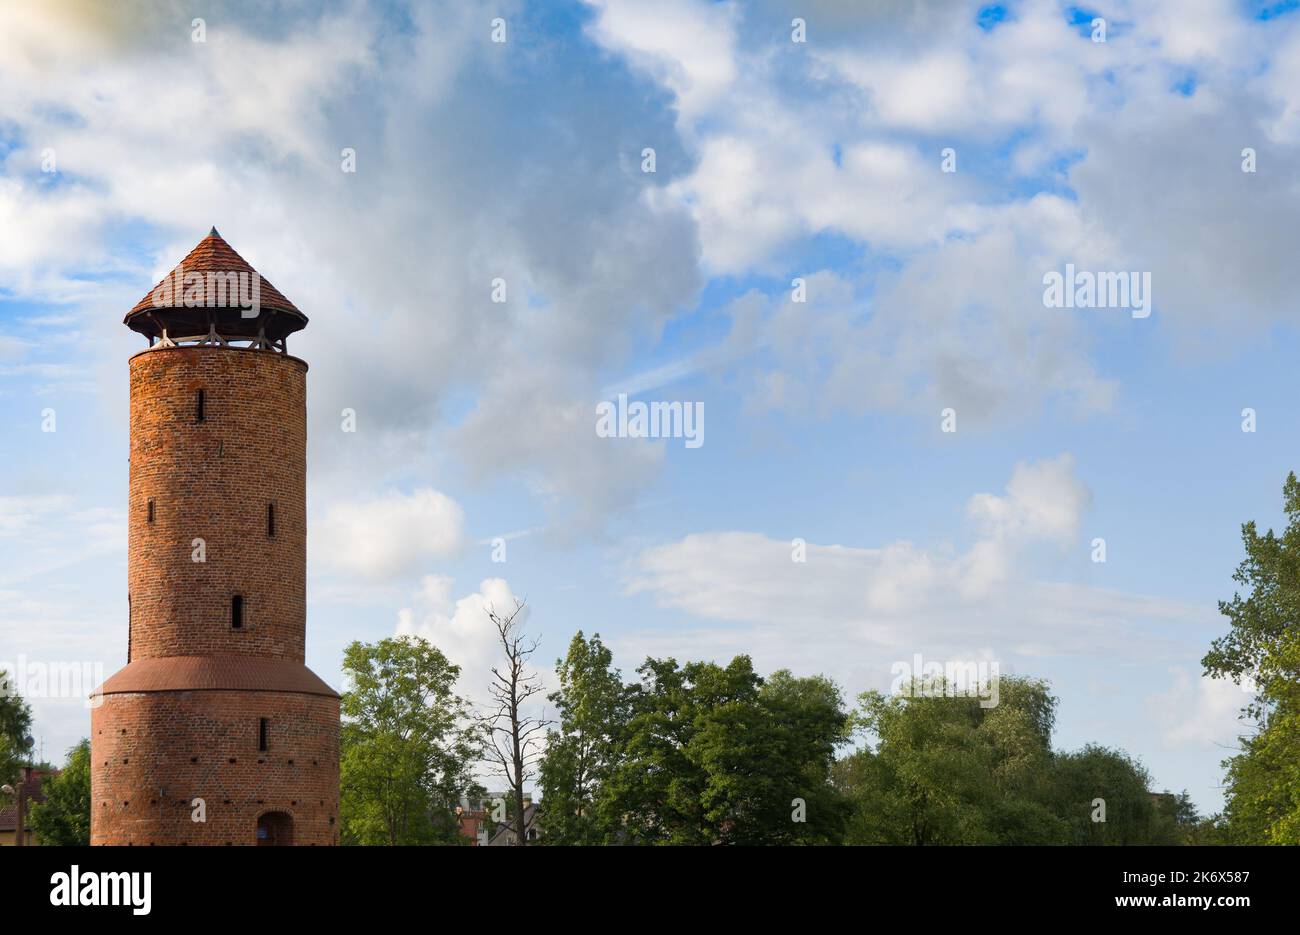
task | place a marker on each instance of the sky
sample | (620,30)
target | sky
(839,257)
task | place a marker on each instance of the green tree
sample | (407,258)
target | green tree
(593,706)
(877,814)
(1262,647)
(1132,815)
(769,764)
(15,731)
(1179,813)
(408,745)
(64,817)
(716,756)
(1208,832)
(947,770)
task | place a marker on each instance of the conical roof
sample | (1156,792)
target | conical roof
(174,295)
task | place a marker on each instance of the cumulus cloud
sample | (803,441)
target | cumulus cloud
(688,46)
(901,597)
(762,144)
(1044,500)
(460,627)
(393,263)
(529,423)
(1106,167)
(1199,712)
(385,536)
(959,321)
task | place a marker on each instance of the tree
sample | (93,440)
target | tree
(513,734)
(593,706)
(1179,814)
(928,780)
(1122,785)
(946,770)
(1262,649)
(716,756)
(64,817)
(769,764)
(408,744)
(15,730)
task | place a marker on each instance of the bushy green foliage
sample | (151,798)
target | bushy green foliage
(408,745)
(1263,646)
(593,707)
(64,817)
(699,754)
(946,769)
(15,730)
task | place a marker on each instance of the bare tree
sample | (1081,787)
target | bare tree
(514,737)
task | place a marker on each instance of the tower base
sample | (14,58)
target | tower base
(214,750)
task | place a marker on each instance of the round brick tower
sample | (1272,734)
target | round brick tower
(215,732)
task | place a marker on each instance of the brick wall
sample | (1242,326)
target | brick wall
(154,753)
(187,729)
(212,480)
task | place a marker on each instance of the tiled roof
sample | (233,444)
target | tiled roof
(224,672)
(214,255)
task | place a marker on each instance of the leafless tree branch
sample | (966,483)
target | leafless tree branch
(514,736)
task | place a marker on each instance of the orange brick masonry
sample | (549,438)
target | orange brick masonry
(181,723)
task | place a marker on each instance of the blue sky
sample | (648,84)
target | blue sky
(775,160)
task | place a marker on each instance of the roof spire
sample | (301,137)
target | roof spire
(213,232)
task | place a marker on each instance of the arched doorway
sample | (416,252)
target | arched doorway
(275,829)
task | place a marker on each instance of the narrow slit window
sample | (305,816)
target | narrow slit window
(237,612)
(262,724)
(270,520)
(150,511)
(198,407)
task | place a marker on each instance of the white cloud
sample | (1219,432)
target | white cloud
(392,263)
(388,535)
(940,76)
(963,327)
(1199,712)
(1044,500)
(769,144)
(875,603)
(528,423)
(460,628)
(688,46)
(842,136)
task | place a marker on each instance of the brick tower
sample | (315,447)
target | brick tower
(215,732)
